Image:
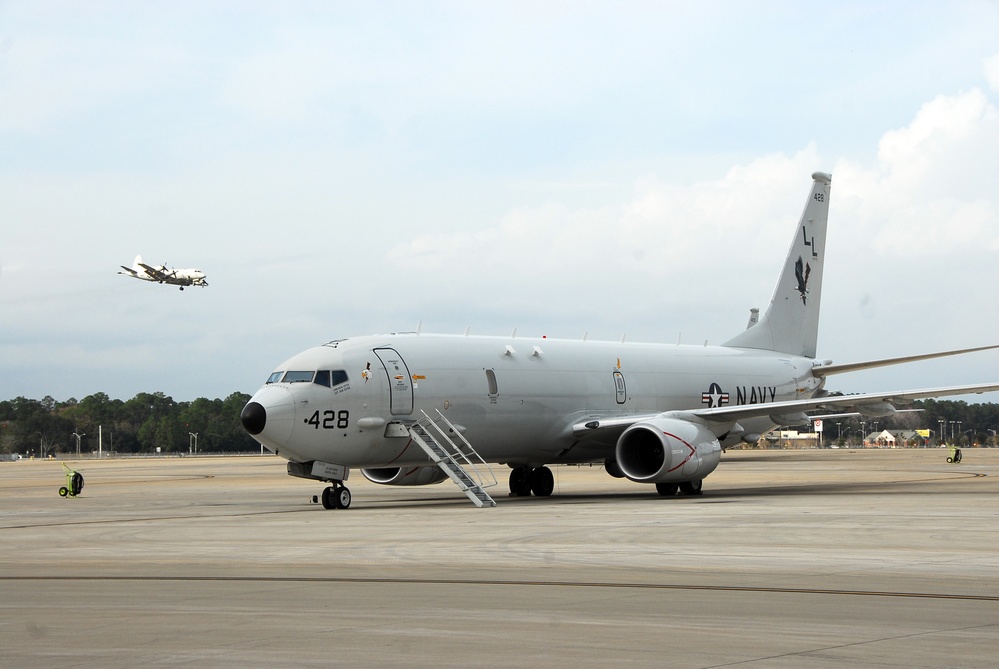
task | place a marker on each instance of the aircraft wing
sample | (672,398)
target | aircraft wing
(830,369)
(154,273)
(874,403)
(871,401)
(130,271)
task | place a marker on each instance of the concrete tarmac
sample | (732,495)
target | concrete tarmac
(831,558)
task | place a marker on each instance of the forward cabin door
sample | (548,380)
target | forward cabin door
(399,379)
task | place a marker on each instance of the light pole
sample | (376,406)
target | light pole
(194,436)
(78,442)
(942,423)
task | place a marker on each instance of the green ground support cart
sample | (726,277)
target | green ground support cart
(74,483)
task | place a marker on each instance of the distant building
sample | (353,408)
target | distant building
(892,439)
(791,439)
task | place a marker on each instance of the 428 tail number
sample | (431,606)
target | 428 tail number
(330,420)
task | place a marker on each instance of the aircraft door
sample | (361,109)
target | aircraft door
(621,391)
(399,379)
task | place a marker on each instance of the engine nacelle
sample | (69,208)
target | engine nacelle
(405,475)
(667,450)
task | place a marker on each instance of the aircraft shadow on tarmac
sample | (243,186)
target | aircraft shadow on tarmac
(894,486)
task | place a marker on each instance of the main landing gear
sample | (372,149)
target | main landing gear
(685,488)
(525,480)
(336,496)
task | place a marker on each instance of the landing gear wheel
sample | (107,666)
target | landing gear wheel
(542,481)
(667,489)
(520,482)
(342,498)
(328,502)
(691,487)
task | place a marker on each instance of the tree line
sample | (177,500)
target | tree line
(948,422)
(147,423)
(154,422)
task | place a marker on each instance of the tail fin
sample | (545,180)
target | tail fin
(137,265)
(791,322)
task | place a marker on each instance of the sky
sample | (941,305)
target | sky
(629,169)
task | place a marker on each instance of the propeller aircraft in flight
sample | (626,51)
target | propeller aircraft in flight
(163,274)
(415,408)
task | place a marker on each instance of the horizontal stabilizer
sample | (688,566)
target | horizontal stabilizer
(828,370)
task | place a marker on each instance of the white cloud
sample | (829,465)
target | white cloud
(663,230)
(991,67)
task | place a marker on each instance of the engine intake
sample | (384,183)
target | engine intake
(667,450)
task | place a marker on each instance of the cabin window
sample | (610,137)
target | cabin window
(298,377)
(491,382)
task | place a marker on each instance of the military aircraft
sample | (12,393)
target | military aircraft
(163,274)
(414,408)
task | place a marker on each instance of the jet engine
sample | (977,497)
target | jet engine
(405,475)
(667,450)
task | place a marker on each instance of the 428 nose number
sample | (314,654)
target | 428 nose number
(330,420)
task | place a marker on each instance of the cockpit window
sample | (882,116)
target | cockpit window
(298,377)
(275,377)
(325,377)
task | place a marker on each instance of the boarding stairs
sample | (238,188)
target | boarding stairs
(456,460)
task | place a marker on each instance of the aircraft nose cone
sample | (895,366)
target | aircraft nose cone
(253,417)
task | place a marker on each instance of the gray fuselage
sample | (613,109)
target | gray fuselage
(515,399)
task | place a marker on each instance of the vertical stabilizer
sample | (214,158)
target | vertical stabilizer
(791,322)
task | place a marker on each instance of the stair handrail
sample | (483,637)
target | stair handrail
(482,480)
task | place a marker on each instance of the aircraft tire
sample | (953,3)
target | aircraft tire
(691,487)
(542,481)
(328,501)
(520,482)
(342,497)
(667,489)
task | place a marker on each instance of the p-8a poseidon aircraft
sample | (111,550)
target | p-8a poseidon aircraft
(415,408)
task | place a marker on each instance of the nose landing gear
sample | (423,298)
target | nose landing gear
(336,496)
